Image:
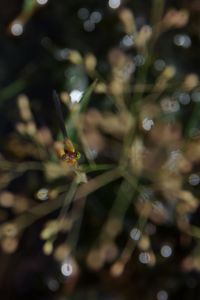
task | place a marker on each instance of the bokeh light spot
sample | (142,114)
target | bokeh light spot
(127,41)
(135,234)
(182,40)
(159,65)
(76,96)
(83,13)
(162,295)
(144,257)
(89,26)
(17,28)
(53,285)
(66,269)
(96,16)
(42,194)
(194,179)
(42,2)
(147,124)
(114,3)
(166,251)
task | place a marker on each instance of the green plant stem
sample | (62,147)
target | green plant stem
(43,209)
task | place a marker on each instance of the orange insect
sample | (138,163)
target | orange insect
(66,151)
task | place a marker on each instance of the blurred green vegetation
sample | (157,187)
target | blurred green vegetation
(123,222)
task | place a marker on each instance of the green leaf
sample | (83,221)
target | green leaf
(83,106)
(11,90)
(70,124)
(86,97)
(193,121)
(29,5)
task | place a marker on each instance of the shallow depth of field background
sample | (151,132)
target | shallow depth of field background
(123,224)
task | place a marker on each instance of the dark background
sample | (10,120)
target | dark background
(31,63)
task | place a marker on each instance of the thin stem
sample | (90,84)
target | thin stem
(41,210)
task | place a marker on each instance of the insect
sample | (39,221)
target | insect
(66,152)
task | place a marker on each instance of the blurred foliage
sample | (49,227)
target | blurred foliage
(122,222)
